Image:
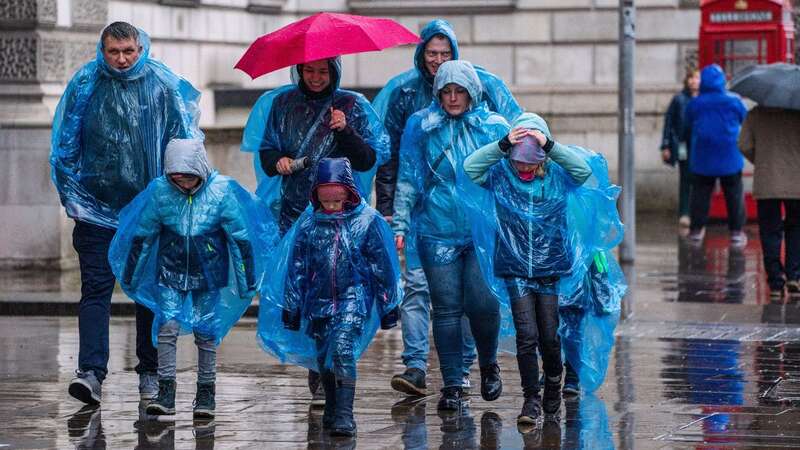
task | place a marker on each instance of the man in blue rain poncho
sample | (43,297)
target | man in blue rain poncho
(109,134)
(402,96)
(190,248)
(337,278)
(293,127)
(428,211)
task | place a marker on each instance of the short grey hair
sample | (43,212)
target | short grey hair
(119,31)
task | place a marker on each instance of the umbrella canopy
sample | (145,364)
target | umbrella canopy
(321,36)
(773,85)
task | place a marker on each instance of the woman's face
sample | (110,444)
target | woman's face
(693,82)
(455,99)
(316,75)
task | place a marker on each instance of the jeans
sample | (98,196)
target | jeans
(536,322)
(167,349)
(458,288)
(415,317)
(97,284)
(684,187)
(771,229)
(700,200)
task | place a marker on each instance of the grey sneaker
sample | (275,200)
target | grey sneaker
(86,387)
(739,239)
(148,386)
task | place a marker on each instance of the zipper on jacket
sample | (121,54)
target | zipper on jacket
(188,233)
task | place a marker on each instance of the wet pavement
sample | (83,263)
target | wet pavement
(703,360)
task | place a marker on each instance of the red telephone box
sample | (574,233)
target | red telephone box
(739,33)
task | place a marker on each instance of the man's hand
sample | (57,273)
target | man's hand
(284,166)
(666,154)
(338,120)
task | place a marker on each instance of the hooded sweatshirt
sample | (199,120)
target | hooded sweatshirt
(713,120)
(412,91)
(433,148)
(110,131)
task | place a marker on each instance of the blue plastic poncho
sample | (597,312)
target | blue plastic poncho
(434,146)
(337,271)
(194,256)
(554,227)
(287,120)
(110,130)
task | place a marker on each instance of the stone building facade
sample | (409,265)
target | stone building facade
(558,56)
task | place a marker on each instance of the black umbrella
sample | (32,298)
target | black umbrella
(773,85)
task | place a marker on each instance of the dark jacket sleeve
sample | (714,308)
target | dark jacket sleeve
(386,176)
(352,146)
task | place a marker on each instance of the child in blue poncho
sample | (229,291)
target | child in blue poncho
(187,248)
(341,279)
(530,176)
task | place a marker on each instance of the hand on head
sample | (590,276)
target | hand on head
(516,135)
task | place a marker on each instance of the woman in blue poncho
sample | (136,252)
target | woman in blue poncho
(529,176)
(435,143)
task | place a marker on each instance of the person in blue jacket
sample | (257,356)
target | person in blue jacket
(674,150)
(434,145)
(713,121)
(529,176)
(110,130)
(187,248)
(402,96)
(340,272)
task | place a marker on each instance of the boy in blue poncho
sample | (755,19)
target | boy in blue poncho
(340,269)
(530,176)
(187,248)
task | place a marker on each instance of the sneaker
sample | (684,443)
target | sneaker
(531,411)
(410,382)
(491,384)
(86,387)
(738,239)
(551,402)
(572,386)
(466,385)
(696,236)
(164,403)
(452,399)
(204,403)
(684,221)
(793,287)
(148,386)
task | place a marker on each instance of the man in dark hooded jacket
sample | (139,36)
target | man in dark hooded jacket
(402,96)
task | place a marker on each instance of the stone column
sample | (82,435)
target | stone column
(42,43)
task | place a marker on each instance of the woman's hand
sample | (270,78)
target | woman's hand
(338,120)
(539,136)
(284,166)
(516,135)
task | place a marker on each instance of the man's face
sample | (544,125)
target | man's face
(454,98)
(437,52)
(316,75)
(694,82)
(121,54)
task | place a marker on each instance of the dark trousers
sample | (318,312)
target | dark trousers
(772,229)
(700,200)
(97,284)
(536,323)
(684,187)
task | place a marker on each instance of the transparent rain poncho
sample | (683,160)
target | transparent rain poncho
(193,257)
(340,273)
(553,227)
(110,130)
(434,146)
(285,119)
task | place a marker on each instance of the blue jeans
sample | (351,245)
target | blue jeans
(415,316)
(167,350)
(772,229)
(97,284)
(458,288)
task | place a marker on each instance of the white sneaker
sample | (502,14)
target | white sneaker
(738,239)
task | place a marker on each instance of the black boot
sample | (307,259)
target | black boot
(411,382)
(491,384)
(552,396)
(452,399)
(164,403)
(329,386)
(343,423)
(204,401)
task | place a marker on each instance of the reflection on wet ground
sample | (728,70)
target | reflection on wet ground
(704,360)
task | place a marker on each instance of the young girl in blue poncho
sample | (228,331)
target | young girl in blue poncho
(529,176)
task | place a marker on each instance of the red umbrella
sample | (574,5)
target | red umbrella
(323,35)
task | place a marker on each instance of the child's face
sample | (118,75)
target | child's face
(185,181)
(332,198)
